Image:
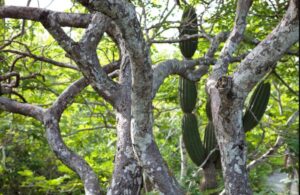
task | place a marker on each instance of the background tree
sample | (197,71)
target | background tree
(122,36)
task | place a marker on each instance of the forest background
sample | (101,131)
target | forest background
(88,126)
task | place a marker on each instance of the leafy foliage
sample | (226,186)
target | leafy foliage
(28,166)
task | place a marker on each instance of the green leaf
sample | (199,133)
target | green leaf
(26,173)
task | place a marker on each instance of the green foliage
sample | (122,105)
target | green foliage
(293,144)
(28,166)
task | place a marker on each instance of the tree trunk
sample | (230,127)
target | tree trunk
(127,176)
(209,180)
(183,162)
(227,118)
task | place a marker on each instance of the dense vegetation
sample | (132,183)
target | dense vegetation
(28,166)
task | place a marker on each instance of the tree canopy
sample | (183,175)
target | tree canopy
(89,97)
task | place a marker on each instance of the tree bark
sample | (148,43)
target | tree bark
(228,94)
(144,146)
(72,160)
(133,100)
(127,177)
(209,180)
(183,159)
(227,119)
(51,118)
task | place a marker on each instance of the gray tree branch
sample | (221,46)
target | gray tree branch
(36,14)
(235,37)
(81,53)
(51,121)
(94,31)
(50,118)
(182,68)
(264,56)
(41,58)
(25,109)
(67,96)
(88,64)
(124,15)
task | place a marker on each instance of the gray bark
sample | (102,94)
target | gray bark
(227,112)
(228,95)
(127,177)
(68,157)
(50,118)
(21,108)
(138,83)
(145,148)
(183,159)
(51,122)
(35,14)
(209,180)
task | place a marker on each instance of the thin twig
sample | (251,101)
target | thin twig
(285,84)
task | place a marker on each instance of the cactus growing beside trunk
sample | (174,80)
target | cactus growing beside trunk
(205,153)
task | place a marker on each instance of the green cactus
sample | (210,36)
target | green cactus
(188,89)
(188,26)
(210,141)
(257,106)
(197,150)
(187,95)
(191,139)
(208,109)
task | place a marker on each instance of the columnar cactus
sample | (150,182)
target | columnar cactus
(253,114)
(188,89)
(257,106)
(198,150)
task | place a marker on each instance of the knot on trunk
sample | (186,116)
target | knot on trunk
(224,84)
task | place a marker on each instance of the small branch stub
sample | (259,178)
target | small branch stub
(224,84)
